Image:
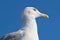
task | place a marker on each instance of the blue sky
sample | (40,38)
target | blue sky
(11,20)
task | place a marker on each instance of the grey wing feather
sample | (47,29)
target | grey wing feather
(13,36)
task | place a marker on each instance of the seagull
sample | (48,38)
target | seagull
(29,30)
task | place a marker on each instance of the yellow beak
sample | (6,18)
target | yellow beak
(44,15)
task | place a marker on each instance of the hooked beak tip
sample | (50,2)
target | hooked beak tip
(46,16)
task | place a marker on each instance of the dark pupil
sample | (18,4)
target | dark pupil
(34,9)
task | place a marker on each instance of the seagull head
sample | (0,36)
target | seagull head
(34,13)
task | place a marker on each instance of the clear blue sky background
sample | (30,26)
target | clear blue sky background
(11,20)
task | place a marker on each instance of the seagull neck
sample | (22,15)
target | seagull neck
(30,23)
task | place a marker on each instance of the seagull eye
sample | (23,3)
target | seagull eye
(34,9)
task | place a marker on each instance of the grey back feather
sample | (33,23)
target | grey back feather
(13,36)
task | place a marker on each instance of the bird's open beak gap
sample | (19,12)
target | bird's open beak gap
(44,15)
